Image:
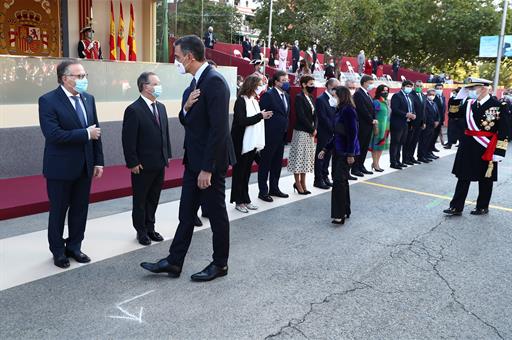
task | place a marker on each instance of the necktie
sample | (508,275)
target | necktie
(192,84)
(79,111)
(284,102)
(409,106)
(421,97)
(155,113)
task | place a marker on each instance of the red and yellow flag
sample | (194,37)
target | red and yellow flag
(132,47)
(112,33)
(120,34)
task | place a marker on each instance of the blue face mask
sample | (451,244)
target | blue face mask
(472,94)
(439,92)
(81,85)
(286,86)
(157,90)
(407,90)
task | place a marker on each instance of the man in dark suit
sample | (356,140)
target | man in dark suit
(366,116)
(441,105)
(147,149)
(415,126)
(256,51)
(315,58)
(295,56)
(209,38)
(208,153)
(276,100)
(325,108)
(396,68)
(246,48)
(72,156)
(431,122)
(402,112)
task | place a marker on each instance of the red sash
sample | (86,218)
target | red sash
(489,152)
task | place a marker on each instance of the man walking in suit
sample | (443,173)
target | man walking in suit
(416,126)
(325,108)
(209,38)
(402,112)
(295,56)
(147,149)
(276,100)
(208,153)
(72,156)
(366,116)
(246,48)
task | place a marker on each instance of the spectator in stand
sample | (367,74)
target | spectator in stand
(246,48)
(366,117)
(441,105)
(273,55)
(256,51)
(209,38)
(416,125)
(396,68)
(276,100)
(368,67)
(301,159)
(431,122)
(345,147)
(248,134)
(314,59)
(303,70)
(283,57)
(239,83)
(402,112)
(325,108)
(381,130)
(430,78)
(360,62)
(330,71)
(375,64)
(380,68)
(259,70)
(448,80)
(295,56)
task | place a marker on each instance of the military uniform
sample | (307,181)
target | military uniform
(456,114)
(88,48)
(484,142)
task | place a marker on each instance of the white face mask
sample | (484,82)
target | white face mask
(260,89)
(333,102)
(371,87)
(472,94)
(180,67)
(352,92)
(431,98)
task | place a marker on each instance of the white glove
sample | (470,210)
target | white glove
(91,46)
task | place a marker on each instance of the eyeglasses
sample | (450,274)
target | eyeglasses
(79,76)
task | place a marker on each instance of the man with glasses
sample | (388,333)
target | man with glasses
(72,156)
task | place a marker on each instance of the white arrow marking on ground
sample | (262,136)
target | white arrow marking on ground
(127,315)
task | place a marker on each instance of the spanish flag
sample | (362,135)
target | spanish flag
(120,34)
(112,33)
(132,47)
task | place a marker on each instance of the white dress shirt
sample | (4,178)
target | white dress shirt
(197,76)
(73,103)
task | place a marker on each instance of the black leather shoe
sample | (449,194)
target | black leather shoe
(433,156)
(357,173)
(452,212)
(395,166)
(328,182)
(78,256)
(478,211)
(321,185)
(424,160)
(162,266)
(198,222)
(448,147)
(366,172)
(414,161)
(403,165)
(351,178)
(338,221)
(211,272)
(143,239)
(279,194)
(61,261)
(154,236)
(435,150)
(408,163)
(265,198)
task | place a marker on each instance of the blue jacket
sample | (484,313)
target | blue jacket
(399,108)
(277,126)
(344,140)
(67,148)
(325,115)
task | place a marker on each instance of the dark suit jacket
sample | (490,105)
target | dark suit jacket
(208,145)
(240,122)
(144,142)
(246,49)
(365,109)
(67,147)
(256,52)
(419,108)
(399,109)
(431,114)
(209,42)
(275,127)
(305,117)
(295,53)
(441,106)
(325,115)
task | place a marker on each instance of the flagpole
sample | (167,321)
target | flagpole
(500,45)
(176,28)
(202,16)
(270,27)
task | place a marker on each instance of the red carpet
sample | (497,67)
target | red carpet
(21,196)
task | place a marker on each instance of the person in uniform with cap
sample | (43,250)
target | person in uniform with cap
(88,48)
(482,146)
(259,70)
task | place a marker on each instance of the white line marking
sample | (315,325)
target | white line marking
(127,315)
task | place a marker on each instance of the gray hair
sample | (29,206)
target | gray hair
(144,79)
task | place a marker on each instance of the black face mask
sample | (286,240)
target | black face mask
(384,95)
(310,89)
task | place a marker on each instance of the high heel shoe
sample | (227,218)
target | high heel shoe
(338,221)
(377,169)
(297,190)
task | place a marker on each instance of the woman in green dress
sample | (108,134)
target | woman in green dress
(380,141)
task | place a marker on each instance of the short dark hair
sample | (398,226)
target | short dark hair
(344,96)
(191,44)
(379,90)
(278,75)
(407,83)
(306,79)
(439,84)
(144,79)
(365,78)
(62,68)
(330,81)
